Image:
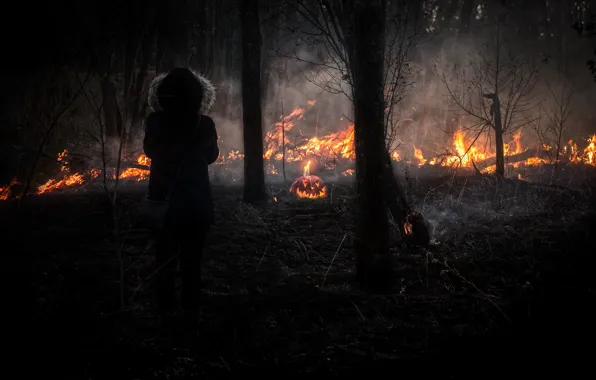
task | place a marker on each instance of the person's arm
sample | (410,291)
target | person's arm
(211,148)
(150,141)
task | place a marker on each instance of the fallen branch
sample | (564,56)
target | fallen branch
(476,170)
(530,153)
(128,165)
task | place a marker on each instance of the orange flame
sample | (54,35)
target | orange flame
(465,151)
(136,173)
(306,169)
(407,228)
(6,190)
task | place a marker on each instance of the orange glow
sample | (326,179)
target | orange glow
(462,151)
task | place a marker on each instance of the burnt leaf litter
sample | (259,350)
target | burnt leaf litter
(506,280)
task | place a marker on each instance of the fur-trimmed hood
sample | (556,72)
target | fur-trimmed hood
(208,92)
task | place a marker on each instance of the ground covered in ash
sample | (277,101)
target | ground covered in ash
(507,281)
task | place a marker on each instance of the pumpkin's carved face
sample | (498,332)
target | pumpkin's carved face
(309,186)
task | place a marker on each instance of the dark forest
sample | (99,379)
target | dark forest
(398,186)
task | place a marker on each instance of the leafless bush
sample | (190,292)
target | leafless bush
(48,102)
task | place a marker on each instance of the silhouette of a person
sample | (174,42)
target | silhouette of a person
(181,142)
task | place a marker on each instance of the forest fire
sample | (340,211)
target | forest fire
(282,142)
(187,185)
(279,142)
(308,186)
(464,152)
(69,179)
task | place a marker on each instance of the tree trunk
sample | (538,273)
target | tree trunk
(111,110)
(203,41)
(163,63)
(500,151)
(563,8)
(130,56)
(283,139)
(273,29)
(254,174)
(139,90)
(367,63)
(181,31)
(466,16)
(173,31)
(394,195)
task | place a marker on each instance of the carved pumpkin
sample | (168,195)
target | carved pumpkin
(310,186)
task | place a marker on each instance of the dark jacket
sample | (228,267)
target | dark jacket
(181,144)
(179,157)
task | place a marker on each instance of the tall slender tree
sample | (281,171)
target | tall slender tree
(254,173)
(366,50)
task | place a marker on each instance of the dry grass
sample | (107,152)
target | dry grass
(278,290)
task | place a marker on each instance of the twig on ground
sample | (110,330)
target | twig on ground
(488,297)
(262,256)
(333,259)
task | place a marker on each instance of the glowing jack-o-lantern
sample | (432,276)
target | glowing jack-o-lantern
(308,186)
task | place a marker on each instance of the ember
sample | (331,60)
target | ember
(5,192)
(407,228)
(309,186)
(416,229)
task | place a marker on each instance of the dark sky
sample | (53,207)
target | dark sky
(41,33)
(33,32)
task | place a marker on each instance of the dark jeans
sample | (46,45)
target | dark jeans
(181,242)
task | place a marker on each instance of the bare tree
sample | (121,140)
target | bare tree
(551,131)
(322,26)
(254,173)
(118,111)
(405,31)
(494,88)
(324,33)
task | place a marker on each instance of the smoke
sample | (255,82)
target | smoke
(424,118)
(428,104)
(295,87)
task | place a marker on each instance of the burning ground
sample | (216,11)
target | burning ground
(291,146)
(507,276)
